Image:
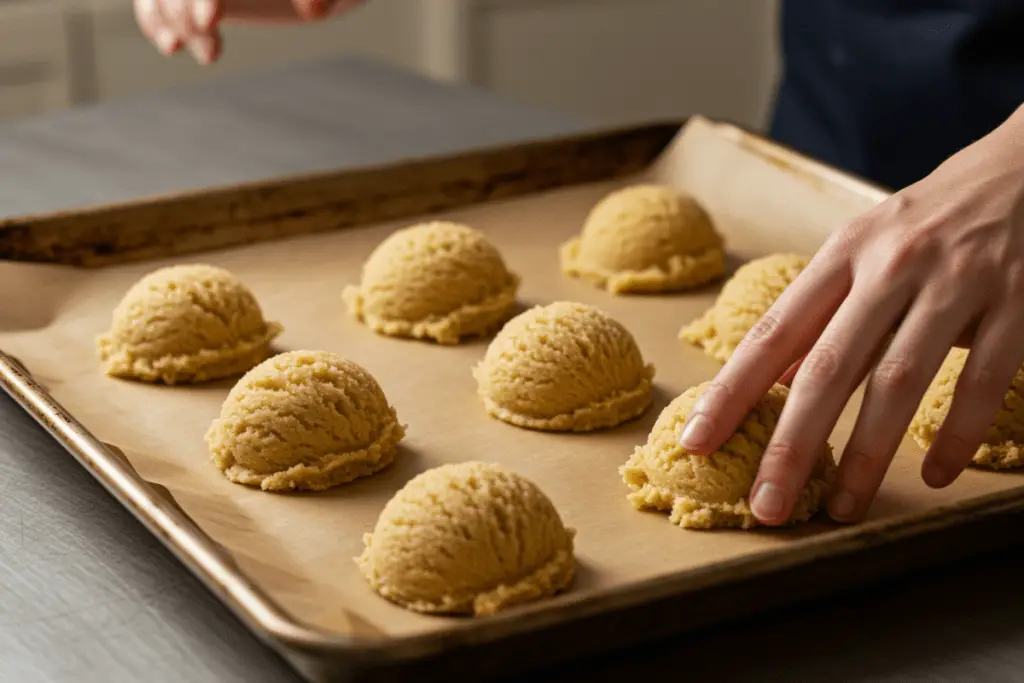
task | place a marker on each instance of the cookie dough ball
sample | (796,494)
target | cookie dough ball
(186,323)
(304,421)
(439,281)
(744,299)
(646,238)
(470,538)
(1003,447)
(709,491)
(564,367)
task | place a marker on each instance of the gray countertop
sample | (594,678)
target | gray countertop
(86,595)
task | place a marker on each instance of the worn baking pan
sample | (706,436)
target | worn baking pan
(633,585)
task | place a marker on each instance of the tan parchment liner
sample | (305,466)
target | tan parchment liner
(299,547)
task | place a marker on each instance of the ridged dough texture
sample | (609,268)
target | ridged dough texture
(712,491)
(744,299)
(646,238)
(564,367)
(186,324)
(441,281)
(304,421)
(1003,447)
(470,538)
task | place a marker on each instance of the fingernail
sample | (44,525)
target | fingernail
(696,432)
(202,13)
(202,49)
(165,41)
(199,52)
(769,502)
(843,505)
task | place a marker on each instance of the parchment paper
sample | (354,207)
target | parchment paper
(299,548)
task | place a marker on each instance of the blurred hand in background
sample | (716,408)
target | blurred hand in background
(173,25)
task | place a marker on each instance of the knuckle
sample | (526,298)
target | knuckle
(844,242)
(862,464)
(767,330)
(823,364)
(953,445)
(982,379)
(968,266)
(895,376)
(1015,282)
(899,205)
(716,396)
(783,457)
(904,255)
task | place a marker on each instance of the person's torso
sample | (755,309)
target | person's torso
(889,89)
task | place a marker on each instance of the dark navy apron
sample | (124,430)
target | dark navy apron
(889,90)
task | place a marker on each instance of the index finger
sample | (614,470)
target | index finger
(786,331)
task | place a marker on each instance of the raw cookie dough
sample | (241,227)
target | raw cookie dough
(645,238)
(306,421)
(1004,446)
(744,299)
(439,280)
(705,492)
(471,538)
(564,367)
(186,323)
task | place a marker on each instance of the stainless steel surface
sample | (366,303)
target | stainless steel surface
(87,595)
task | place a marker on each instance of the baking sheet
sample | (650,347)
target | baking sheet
(298,547)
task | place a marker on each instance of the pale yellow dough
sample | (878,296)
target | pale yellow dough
(744,299)
(186,324)
(705,492)
(471,538)
(646,238)
(304,421)
(1003,447)
(440,281)
(564,367)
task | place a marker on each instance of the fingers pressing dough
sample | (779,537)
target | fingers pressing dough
(1003,448)
(709,491)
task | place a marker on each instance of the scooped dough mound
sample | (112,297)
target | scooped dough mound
(564,367)
(744,299)
(1003,447)
(440,281)
(709,491)
(470,538)
(646,238)
(304,421)
(186,323)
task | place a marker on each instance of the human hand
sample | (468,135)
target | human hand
(938,264)
(173,24)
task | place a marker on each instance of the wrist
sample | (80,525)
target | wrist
(1009,140)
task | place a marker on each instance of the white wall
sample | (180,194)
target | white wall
(625,60)
(614,61)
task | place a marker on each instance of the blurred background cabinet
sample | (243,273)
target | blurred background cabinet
(612,61)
